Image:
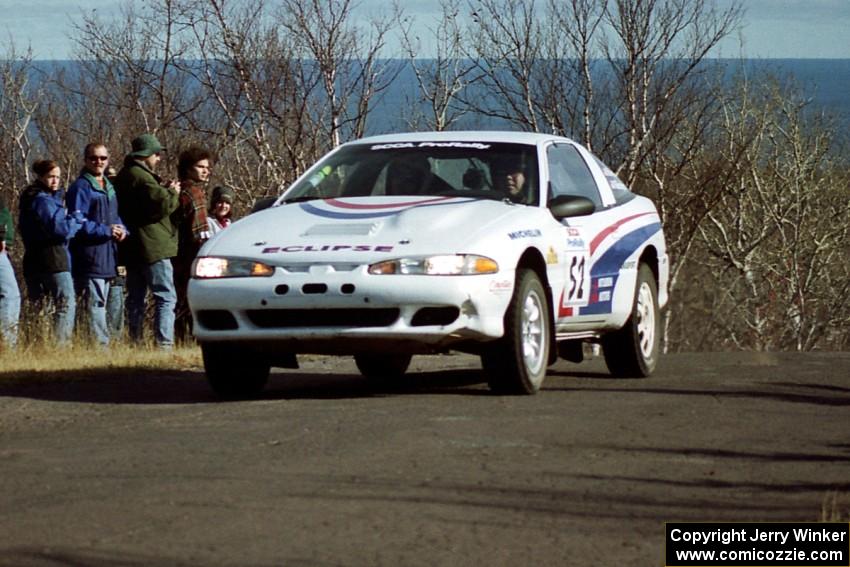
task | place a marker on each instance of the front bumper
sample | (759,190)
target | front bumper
(343,309)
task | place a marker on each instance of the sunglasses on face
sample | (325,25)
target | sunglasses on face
(97,158)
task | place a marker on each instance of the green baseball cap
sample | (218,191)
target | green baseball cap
(145,146)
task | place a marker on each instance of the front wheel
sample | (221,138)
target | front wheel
(232,372)
(516,363)
(632,352)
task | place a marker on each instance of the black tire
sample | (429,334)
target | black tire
(632,352)
(232,372)
(382,369)
(516,363)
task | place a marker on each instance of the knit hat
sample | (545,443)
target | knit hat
(145,146)
(221,193)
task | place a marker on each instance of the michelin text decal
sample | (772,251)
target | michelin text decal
(529,233)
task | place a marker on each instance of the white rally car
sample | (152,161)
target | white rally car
(514,246)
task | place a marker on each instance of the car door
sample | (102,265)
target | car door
(586,299)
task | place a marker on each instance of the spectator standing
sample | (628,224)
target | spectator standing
(220,212)
(115,304)
(115,299)
(46,228)
(146,205)
(193,168)
(10,295)
(93,249)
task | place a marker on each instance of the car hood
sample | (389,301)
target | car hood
(361,229)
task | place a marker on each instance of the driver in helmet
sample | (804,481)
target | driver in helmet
(509,177)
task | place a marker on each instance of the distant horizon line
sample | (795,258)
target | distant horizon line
(432,58)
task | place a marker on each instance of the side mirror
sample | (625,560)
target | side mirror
(564,206)
(262,203)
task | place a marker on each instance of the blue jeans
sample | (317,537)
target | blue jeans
(115,308)
(58,289)
(159,277)
(10,302)
(94,293)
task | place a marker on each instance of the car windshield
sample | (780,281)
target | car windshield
(482,170)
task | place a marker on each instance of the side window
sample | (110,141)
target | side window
(618,188)
(569,174)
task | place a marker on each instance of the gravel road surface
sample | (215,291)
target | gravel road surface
(322,471)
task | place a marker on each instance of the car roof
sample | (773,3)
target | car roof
(463,136)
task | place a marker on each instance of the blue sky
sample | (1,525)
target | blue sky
(772,28)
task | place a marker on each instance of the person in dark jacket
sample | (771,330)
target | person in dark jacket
(146,205)
(93,249)
(46,227)
(193,169)
(10,295)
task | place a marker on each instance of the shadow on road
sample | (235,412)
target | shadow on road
(111,386)
(135,386)
(157,386)
(512,503)
(65,557)
(756,390)
(780,487)
(715,454)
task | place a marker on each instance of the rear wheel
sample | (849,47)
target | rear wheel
(232,372)
(516,363)
(382,369)
(632,352)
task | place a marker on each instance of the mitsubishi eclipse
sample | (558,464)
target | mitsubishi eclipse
(516,247)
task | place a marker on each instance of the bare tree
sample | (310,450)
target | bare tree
(777,245)
(628,78)
(505,44)
(18,103)
(122,82)
(656,55)
(324,36)
(441,78)
(575,32)
(257,96)
(127,67)
(285,83)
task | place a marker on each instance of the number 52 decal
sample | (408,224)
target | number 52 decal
(577,283)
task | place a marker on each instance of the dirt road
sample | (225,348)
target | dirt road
(322,471)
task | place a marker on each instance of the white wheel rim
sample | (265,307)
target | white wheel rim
(533,332)
(646,320)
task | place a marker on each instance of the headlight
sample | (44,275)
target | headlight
(210,267)
(442,265)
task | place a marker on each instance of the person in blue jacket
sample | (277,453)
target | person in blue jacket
(94,248)
(46,228)
(10,296)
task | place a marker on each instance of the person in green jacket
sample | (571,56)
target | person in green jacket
(10,294)
(146,203)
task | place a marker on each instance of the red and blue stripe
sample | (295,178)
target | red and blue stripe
(347,210)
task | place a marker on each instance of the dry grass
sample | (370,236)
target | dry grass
(835,508)
(50,361)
